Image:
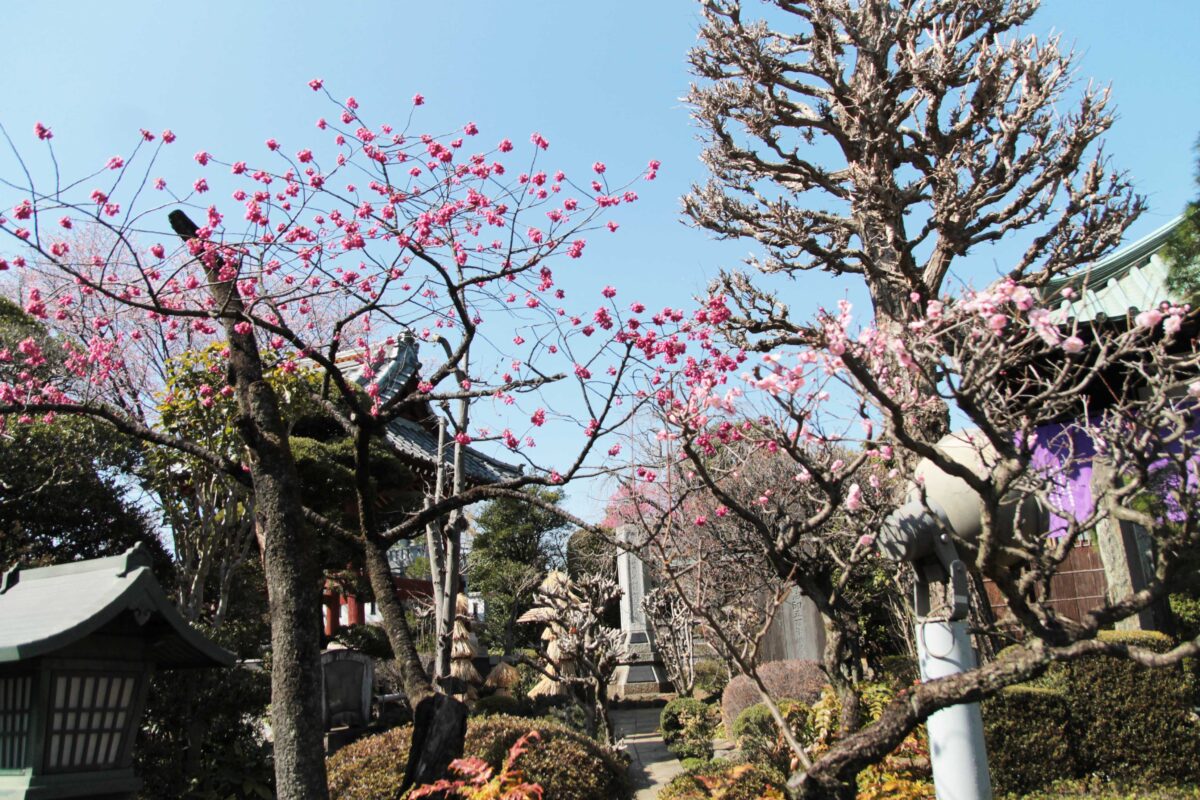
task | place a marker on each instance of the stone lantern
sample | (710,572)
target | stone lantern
(78,644)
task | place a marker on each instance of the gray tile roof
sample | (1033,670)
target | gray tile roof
(1134,277)
(46,609)
(416,440)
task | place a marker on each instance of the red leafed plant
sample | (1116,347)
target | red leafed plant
(478,781)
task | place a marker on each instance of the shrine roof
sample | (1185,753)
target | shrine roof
(45,609)
(1133,278)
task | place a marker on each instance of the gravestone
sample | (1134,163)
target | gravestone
(641,670)
(796,632)
(347,683)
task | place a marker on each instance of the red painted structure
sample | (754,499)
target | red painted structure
(356,610)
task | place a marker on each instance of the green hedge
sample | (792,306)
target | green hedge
(371,768)
(759,738)
(1132,722)
(500,704)
(1027,729)
(688,726)
(711,677)
(1125,722)
(567,765)
(729,781)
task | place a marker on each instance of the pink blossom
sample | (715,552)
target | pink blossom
(612,226)
(539,417)
(462,438)
(997,322)
(202,158)
(701,520)
(316,83)
(418,100)
(598,167)
(200,185)
(854,498)
(42,131)
(539,140)
(609,292)
(1072,344)
(272,144)
(116,162)
(168,136)
(1148,319)
(866,540)
(1172,324)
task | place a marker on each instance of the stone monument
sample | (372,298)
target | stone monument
(641,671)
(347,686)
(797,631)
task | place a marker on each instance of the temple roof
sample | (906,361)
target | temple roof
(46,609)
(419,440)
(1133,278)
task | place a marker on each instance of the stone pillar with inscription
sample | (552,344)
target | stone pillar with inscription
(641,671)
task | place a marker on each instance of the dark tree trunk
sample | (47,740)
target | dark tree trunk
(412,674)
(292,572)
(439,731)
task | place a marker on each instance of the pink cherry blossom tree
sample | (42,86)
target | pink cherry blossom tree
(415,274)
(1046,398)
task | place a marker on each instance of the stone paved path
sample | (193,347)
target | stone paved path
(652,765)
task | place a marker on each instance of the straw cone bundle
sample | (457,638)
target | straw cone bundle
(464,647)
(503,678)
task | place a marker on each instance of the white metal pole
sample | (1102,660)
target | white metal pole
(956,747)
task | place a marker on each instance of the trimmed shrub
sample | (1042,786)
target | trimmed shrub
(688,726)
(694,764)
(898,672)
(799,680)
(371,768)
(1027,729)
(370,640)
(759,738)
(563,710)
(725,780)
(567,765)
(711,677)
(673,718)
(1129,721)
(500,704)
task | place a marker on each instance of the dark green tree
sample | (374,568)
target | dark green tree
(1182,250)
(515,545)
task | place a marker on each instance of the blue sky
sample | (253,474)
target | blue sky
(601,80)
